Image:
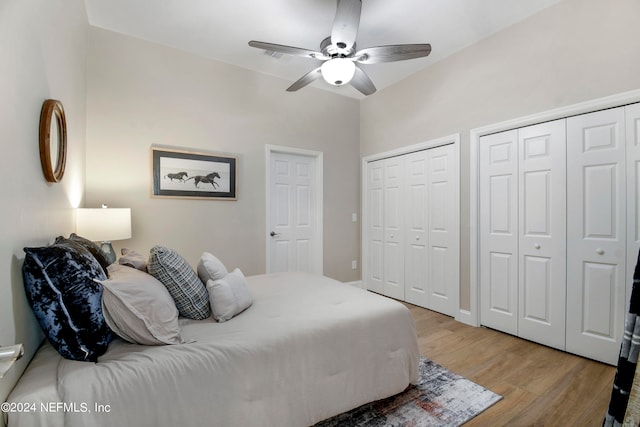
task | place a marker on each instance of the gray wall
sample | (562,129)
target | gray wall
(42,55)
(139,94)
(575,51)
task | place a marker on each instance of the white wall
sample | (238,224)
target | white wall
(575,51)
(140,94)
(42,55)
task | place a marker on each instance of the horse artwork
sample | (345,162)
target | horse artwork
(180,176)
(190,174)
(207,179)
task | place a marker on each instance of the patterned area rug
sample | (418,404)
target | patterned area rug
(441,398)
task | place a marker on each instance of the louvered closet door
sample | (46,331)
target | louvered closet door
(394,227)
(499,231)
(542,236)
(443,238)
(416,243)
(375,226)
(596,243)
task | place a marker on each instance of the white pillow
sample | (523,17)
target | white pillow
(229,296)
(210,268)
(138,308)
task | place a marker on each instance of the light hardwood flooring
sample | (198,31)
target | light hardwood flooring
(540,386)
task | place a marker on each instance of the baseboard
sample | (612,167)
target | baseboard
(464,316)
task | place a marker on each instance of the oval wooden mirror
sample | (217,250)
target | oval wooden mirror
(53,140)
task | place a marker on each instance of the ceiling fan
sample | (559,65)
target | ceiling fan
(339,53)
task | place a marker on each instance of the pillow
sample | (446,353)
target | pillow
(210,268)
(94,249)
(229,296)
(188,292)
(138,308)
(60,287)
(133,259)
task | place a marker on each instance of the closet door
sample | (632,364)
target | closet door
(394,227)
(542,235)
(499,231)
(596,240)
(416,247)
(443,237)
(632,121)
(374,278)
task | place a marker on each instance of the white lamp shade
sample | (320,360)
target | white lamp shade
(104,224)
(338,71)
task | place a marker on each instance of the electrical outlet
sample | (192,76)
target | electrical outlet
(354,264)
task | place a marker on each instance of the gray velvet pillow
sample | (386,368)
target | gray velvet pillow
(186,289)
(138,308)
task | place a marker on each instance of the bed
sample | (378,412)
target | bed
(306,349)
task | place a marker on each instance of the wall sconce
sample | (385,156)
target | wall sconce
(104,225)
(8,355)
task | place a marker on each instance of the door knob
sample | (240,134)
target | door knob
(537,246)
(600,251)
(274,234)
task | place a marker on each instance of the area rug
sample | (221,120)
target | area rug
(441,398)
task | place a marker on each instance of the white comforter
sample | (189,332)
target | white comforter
(307,349)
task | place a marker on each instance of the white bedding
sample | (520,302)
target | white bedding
(307,349)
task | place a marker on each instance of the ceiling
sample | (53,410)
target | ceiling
(220,29)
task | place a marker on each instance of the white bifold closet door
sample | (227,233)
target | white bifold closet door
(542,237)
(374,273)
(597,233)
(412,238)
(394,210)
(522,232)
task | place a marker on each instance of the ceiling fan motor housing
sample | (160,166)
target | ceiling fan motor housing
(337,50)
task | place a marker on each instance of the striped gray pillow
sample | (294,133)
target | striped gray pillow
(182,282)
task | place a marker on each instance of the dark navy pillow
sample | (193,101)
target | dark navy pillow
(60,286)
(95,250)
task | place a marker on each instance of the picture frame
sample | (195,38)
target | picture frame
(193,174)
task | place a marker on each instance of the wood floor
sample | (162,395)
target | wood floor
(540,386)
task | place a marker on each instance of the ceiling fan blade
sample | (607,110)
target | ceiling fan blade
(346,23)
(362,82)
(399,52)
(289,50)
(308,78)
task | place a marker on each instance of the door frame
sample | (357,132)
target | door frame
(318,200)
(472,316)
(434,143)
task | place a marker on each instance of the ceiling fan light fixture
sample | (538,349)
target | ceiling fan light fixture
(338,71)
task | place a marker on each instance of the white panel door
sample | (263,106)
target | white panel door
(443,238)
(542,236)
(632,122)
(374,279)
(394,227)
(293,232)
(596,234)
(499,231)
(416,246)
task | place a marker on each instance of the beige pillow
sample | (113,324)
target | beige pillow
(138,308)
(133,259)
(210,268)
(229,296)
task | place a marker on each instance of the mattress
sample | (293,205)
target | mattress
(307,349)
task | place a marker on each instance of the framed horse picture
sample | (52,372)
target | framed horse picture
(191,174)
